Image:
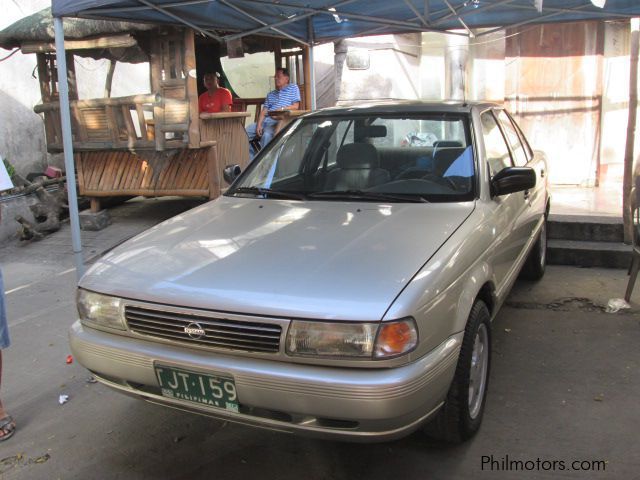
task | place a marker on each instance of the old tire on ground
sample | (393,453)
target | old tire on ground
(536,263)
(461,415)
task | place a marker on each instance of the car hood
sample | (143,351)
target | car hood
(311,259)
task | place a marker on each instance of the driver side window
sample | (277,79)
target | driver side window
(497,152)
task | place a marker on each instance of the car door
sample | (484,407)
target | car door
(522,156)
(506,210)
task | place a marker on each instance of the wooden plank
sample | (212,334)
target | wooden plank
(43,78)
(306,103)
(193,171)
(121,164)
(105,177)
(88,168)
(100,102)
(141,122)
(212,164)
(128,122)
(81,128)
(77,160)
(134,174)
(115,41)
(146,176)
(71,77)
(191,87)
(204,174)
(128,171)
(112,123)
(150,192)
(99,167)
(225,115)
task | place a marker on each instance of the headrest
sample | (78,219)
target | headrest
(357,155)
(446,144)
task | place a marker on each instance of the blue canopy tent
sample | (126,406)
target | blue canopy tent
(317,21)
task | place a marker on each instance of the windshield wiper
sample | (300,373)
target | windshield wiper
(267,192)
(362,195)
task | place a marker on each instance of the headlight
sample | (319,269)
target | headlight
(100,310)
(352,340)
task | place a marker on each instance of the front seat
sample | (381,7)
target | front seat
(358,168)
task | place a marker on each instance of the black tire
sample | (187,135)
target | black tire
(536,263)
(460,417)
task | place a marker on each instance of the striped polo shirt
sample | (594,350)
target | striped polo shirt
(276,99)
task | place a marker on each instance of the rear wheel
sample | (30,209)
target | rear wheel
(461,415)
(536,262)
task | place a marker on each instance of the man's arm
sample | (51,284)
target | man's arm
(296,97)
(227,100)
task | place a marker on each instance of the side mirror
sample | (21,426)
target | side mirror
(231,172)
(513,179)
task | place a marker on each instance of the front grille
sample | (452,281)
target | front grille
(219,332)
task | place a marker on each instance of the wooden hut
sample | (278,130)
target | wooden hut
(153,143)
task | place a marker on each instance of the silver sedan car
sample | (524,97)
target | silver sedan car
(343,287)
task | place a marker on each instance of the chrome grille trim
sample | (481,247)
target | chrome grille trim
(219,332)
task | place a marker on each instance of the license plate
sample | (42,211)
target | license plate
(195,387)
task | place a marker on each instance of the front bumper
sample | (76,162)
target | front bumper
(328,402)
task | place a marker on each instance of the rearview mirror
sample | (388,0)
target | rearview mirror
(231,172)
(513,179)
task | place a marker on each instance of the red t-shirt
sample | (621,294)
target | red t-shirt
(214,103)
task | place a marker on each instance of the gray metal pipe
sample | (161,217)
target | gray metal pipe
(67,143)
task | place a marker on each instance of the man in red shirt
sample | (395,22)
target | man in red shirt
(216,98)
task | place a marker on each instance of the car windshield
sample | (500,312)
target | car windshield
(427,158)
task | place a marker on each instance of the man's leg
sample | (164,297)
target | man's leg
(251,133)
(268,132)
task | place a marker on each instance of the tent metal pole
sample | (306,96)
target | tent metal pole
(262,22)
(181,20)
(312,66)
(65,119)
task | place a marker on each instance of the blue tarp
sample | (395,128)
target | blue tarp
(334,19)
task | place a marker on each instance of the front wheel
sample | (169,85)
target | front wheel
(461,415)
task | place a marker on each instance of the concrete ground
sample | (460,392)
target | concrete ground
(564,386)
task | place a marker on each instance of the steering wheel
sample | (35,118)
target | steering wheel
(443,181)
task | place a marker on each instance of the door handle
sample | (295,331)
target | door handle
(527,194)
(542,173)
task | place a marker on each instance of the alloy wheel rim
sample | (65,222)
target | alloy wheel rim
(478,370)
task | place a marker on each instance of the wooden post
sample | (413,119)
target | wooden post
(631,129)
(212,167)
(306,66)
(191,88)
(109,81)
(155,59)
(277,54)
(71,76)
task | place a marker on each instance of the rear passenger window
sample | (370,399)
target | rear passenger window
(519,154)
(495,146)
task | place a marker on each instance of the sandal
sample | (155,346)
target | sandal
(7,428)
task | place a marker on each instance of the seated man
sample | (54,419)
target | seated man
(285,97)
(216,98)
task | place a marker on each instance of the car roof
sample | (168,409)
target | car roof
(401,106)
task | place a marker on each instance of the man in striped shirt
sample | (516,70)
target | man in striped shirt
(286,96)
